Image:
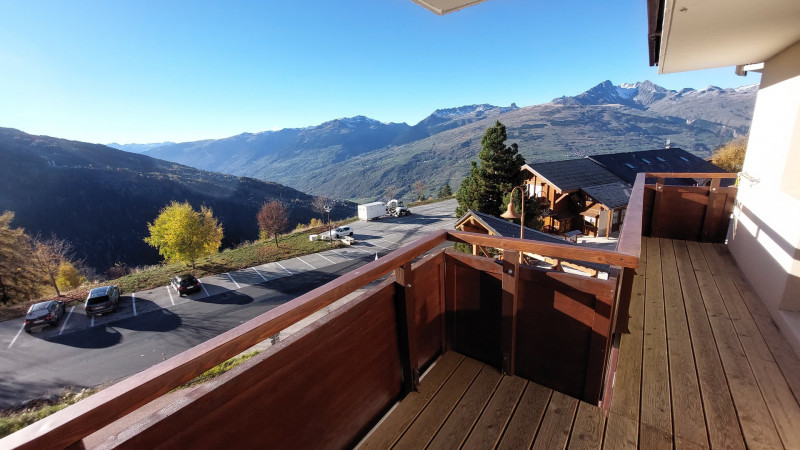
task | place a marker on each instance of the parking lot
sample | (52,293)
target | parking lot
(155,324)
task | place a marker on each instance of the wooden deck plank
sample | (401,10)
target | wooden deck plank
(430,420)
(782,405)
(622,433)
(628,379)
(497,415)
(526,419)
(557,423)
(651,438)
(386,433)
(587,432)
(458,425)
(689,422)
(656,408)
(720,414)
(779,347)
(759,430)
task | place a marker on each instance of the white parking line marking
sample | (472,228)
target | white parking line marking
(393,242)
(309,265)
(234,281)
(378,245)
(133,298)
(170,296)
(284,268)
(204,288)
(323,256)
(64,325)
(342,255)
(92,322)
(259,274)
(356,248)
(18,333)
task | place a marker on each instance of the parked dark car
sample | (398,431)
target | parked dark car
(185,284)
(44,313)
(102,300)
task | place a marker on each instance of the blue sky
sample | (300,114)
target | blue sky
(146,71)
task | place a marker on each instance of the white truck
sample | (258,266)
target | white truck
(372,210)
(394,208)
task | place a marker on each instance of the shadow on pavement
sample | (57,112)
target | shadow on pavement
(155,319)
(226,298)
(101,336)
(14,392)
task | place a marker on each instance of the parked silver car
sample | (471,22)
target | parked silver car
(44,313)
(102,300)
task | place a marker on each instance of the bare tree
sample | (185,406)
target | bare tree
(419,190)
(272,219)
(389,192)
(49,254)
(322,204)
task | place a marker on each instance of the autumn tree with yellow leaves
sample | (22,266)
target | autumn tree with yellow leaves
(182,234)
(731,155)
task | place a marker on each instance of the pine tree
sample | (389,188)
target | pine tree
(445,192)
(498,172)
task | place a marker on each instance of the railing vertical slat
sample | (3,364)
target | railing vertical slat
(407,326)
(508,327)
(713,212)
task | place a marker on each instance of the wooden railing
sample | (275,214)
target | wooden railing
(345,370)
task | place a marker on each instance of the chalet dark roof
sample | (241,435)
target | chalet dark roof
(627,165)
(612,195)
(571,174)
(502,227)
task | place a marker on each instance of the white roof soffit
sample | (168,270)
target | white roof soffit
(443,7)
(719,33)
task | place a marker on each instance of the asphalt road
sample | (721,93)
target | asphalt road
(154,325)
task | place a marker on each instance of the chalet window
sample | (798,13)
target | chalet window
(646,160)
(661,159)
(630,165)
(615,217)
(538,190)
(683,158)
(622,215)
(591,220)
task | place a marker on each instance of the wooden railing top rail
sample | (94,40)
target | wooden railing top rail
(630,236)
(560,251)
(72,424)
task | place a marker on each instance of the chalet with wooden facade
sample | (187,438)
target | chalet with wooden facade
(591,194)
(560,187)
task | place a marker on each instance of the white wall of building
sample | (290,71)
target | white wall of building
(765,237)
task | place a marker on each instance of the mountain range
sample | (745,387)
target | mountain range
(101,199)
(358,157)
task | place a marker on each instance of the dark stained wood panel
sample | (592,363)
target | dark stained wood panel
(429,308)
(554,332)
(322,387)
(474,313)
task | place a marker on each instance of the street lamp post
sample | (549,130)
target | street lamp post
(511,213)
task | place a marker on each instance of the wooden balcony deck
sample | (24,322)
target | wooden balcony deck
(703,366)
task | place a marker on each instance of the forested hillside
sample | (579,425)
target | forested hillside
(101,199)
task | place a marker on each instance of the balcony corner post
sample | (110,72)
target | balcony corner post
(509,308)
(406,326)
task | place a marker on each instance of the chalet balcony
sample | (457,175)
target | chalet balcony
(452,350)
